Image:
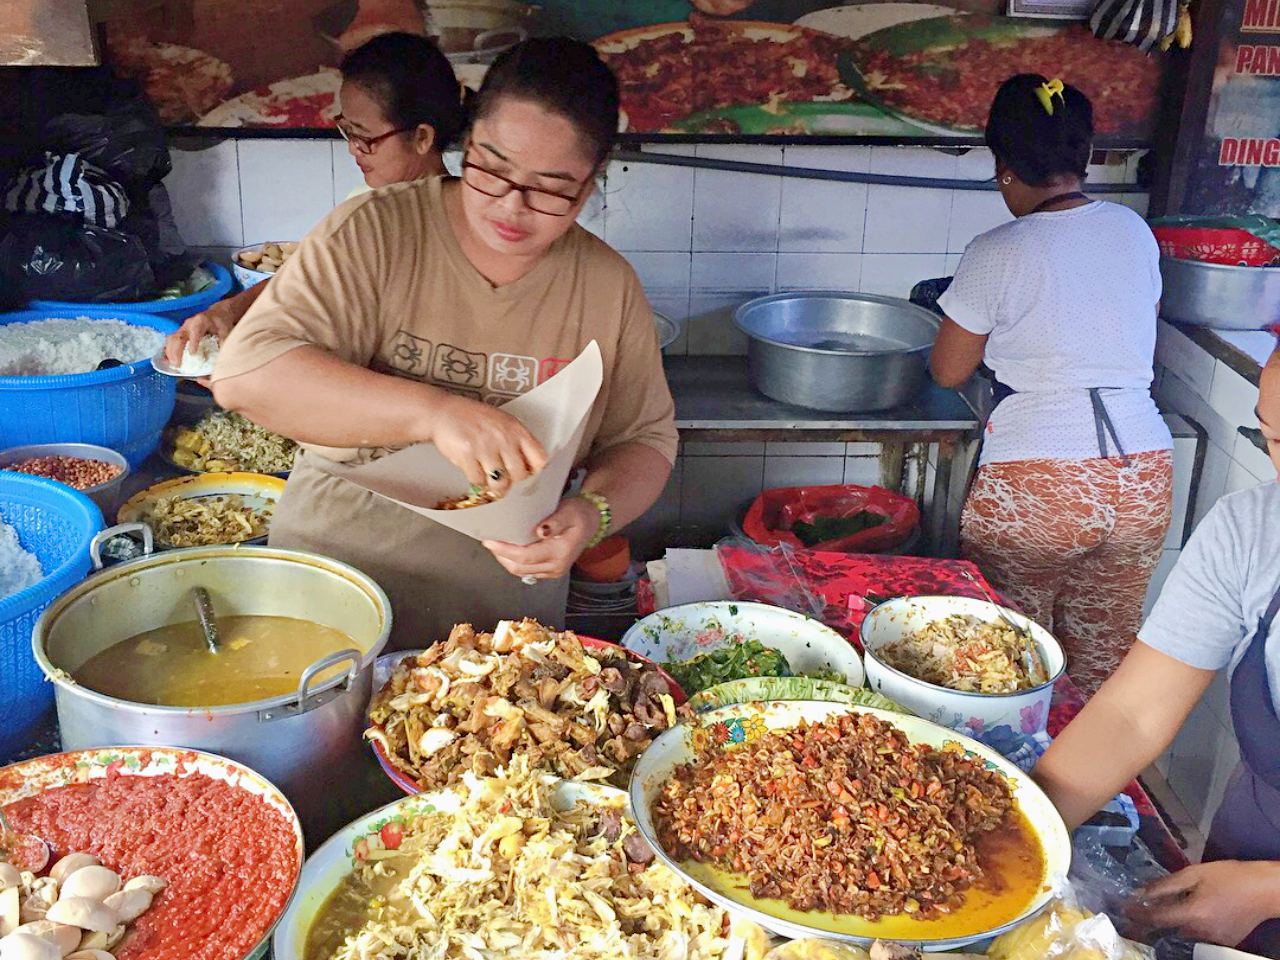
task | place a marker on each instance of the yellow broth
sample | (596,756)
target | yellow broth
(259,657)
(350,907)
(1014,875)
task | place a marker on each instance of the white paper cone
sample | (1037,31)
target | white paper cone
(555,412)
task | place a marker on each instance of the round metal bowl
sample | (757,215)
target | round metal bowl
(842,352)
(1220,295)
(105,495)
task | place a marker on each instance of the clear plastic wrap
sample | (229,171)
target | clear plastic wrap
(768,575)
(1067,931)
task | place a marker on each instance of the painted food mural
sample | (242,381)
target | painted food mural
(896,70)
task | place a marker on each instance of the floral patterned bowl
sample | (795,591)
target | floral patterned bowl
(31,777)
(995,718)
(730,726)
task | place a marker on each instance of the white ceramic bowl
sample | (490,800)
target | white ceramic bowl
(1024,712)
(744,722)
(246,276)
(326,868)
(680,633)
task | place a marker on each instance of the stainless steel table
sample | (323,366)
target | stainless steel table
(716,403)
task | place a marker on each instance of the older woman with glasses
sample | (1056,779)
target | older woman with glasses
(401,107)
(412,314)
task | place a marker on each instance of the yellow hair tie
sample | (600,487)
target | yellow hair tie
(1047,91)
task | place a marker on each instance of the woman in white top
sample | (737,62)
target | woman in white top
(1072,499)
(401,107)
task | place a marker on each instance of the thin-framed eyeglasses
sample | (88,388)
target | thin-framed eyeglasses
(495,185)
(365,145)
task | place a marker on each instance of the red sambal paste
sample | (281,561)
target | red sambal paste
(228,856)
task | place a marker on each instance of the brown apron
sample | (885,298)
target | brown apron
(434,576)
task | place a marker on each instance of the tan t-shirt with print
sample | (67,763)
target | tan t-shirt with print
(383,283)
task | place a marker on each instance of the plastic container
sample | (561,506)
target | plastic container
(247,276)
(175,308)
(105,495)
(124,408)
(56,524)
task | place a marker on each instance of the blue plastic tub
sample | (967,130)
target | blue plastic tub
(177,309)
(124,408)
(56,524)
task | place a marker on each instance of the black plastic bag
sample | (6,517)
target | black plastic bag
(126,140)
(46,257)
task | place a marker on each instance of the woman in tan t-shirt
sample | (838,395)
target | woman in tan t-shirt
(411,314)
(401,107)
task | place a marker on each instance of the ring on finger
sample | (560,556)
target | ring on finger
(496,474)
(529,580)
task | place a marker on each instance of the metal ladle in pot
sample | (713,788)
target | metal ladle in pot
(204,613)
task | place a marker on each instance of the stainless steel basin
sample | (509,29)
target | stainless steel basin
(844,352)
(1220,295)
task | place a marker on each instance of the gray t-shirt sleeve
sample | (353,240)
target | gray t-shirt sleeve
(1199,616)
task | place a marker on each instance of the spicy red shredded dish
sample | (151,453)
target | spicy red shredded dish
(228,856)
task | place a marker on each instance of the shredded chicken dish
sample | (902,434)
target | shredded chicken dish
(205,521)
(479,699)
(498,869)
(846,816)
(962,652)
(475,498)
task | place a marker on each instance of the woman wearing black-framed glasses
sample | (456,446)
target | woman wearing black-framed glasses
(412,315)
(401,106)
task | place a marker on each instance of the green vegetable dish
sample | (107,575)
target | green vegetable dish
(736,661)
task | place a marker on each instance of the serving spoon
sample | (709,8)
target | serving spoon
(1030,654)
(26,851)
(204,613)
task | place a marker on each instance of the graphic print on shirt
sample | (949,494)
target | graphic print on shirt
(512,374)
(457,367)
(410,355)
(551,366)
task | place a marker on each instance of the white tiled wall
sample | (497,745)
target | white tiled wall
(702,241)
(1195,385)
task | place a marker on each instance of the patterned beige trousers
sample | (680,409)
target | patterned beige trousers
(1073,544)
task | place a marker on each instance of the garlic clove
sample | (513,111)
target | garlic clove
(10,876)
(129,905)
(10,911)
(147,882)
(70,864)
(65,938)
(25,946)
(90,955)
(84,913)
(92,883)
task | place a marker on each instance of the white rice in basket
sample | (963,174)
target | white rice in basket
(18,568)
(57,347)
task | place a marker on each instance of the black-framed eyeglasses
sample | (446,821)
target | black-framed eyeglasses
(365,145)
(496,185)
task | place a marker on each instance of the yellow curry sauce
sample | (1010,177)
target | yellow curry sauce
(1014,875)
(259,657)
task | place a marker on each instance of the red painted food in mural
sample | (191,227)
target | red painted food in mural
(228,856)
(672,71)
(945,71)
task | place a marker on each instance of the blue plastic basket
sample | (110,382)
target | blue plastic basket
(177,308)
(56,524)
(124,408)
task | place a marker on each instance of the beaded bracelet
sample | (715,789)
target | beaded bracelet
(606,516)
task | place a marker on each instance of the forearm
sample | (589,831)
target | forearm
(631,476)
(239,305)
(1122,730)
(313,397)
(1073,772)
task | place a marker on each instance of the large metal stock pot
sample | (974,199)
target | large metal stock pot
(296,740)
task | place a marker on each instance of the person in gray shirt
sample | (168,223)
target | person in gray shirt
(1219,609)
